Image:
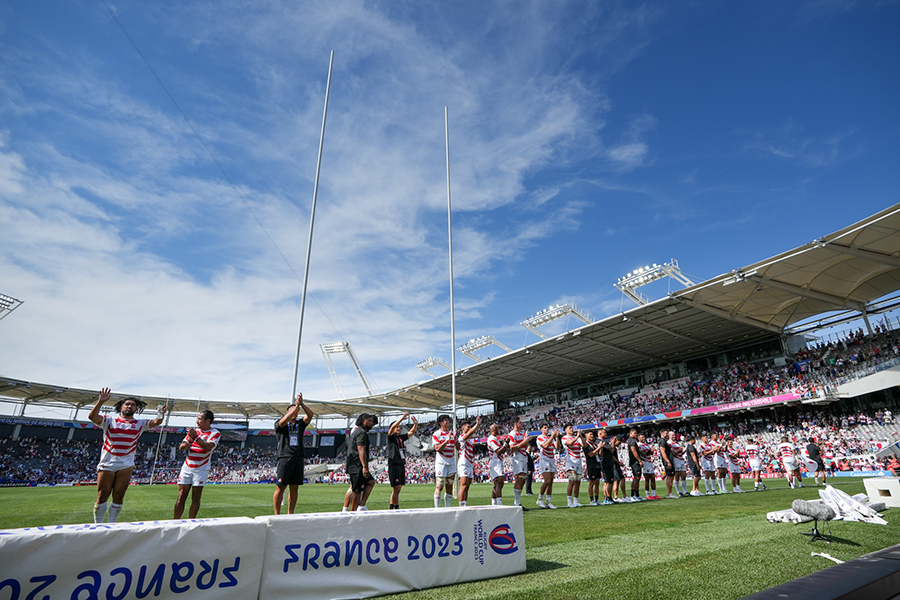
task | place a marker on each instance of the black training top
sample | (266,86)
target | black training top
(283,439)
(633,455)
(813,452)
(665,449)
(397,449)
(359,437)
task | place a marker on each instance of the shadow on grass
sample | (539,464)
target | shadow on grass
(834,540)
(534,565)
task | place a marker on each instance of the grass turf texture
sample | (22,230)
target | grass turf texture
(709,547)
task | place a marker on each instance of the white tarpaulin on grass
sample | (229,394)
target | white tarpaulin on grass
(359,555)
(845,507)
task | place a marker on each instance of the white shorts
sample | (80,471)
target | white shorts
(790,464)
(496,469)
(111,462)
(755,464)
(194,477)
(465,468)
(707,465)
(548,465)
(719,462)
(649,468)
(680,465)
(733,468)
(574,465)
(444,469)
(519,463)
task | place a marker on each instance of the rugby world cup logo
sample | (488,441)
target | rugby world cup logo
(502,541)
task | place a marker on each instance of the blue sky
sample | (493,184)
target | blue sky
(587,139)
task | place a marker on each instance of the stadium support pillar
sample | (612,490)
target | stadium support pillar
(16,430)
(71,434)
(865,316)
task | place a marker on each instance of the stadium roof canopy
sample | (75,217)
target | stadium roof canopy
(848,274)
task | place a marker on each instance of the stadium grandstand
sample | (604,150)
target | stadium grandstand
(737,354)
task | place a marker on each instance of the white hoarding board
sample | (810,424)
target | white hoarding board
(206,558)
(359,555)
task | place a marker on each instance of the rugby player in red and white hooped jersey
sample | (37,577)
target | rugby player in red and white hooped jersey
(199,444)
(444,442)
(679,463)
(755,461)
(720,462)
(733,455)
(649,469)
(120,436)
(707,451)
(496,449)
(788,455)
(518,448)
(466,464)
(573,442)
(547,445)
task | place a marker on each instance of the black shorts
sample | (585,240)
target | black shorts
(695,470)
(609,474)
(358,481)
(397,474)
(289,471)
(820,465)
(617,473)
(669,469)
(594,473)
(637,470)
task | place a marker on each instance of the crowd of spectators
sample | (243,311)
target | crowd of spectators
(809,371)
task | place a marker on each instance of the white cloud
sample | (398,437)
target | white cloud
(142,268)
(632,152)
(791,144)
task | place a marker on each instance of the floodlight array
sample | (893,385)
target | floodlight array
(430,363)
(552,313)
(484,341)
(335,347)
(8,304)
(644,275)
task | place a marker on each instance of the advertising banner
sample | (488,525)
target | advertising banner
(207,558)
(360,555)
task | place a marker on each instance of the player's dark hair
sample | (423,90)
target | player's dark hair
(141,405)
(442,419)
(361,419)
(208,415)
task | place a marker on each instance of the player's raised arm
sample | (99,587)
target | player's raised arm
(306,409)
(94,415)
(289,415)
(157,421)
(394,429)
(471,430)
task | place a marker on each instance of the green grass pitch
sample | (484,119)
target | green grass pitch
(709,547)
